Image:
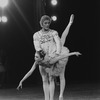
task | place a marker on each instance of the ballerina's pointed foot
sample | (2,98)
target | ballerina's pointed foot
(72,18)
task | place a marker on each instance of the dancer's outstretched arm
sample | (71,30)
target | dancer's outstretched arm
(54,60)
(65,33)
(73,53)
(27,75)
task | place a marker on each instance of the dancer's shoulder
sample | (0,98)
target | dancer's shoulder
(36,34)
(54,32)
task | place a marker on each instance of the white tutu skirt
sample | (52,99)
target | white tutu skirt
(57,68)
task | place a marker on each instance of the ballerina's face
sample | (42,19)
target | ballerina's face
(46,24)
(39,55)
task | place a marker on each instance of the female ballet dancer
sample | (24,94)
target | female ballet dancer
(51,56)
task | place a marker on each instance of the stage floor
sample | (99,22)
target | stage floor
(74,92)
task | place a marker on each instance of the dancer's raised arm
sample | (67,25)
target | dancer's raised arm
(65,33)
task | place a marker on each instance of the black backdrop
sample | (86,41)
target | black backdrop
(16,38)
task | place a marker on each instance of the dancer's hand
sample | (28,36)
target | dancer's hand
(77,53)
(71,19)
(19,86)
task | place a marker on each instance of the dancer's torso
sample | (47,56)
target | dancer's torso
(47,42)
(48,45)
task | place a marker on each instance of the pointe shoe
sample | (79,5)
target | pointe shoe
(61,98)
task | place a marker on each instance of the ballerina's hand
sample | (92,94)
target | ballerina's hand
(19,86)
(71,19)
(77,53)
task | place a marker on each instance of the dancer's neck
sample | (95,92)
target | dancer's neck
(45,30)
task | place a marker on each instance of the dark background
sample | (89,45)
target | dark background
(16,38)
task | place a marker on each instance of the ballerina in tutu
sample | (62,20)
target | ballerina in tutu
(51,56)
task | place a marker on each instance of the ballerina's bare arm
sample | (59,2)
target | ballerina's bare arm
(54,60)
(27,75)
(29,72)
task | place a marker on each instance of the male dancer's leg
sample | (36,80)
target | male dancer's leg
(52,87)
(45,82)
(62,78)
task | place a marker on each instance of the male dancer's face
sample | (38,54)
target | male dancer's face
(46,24)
